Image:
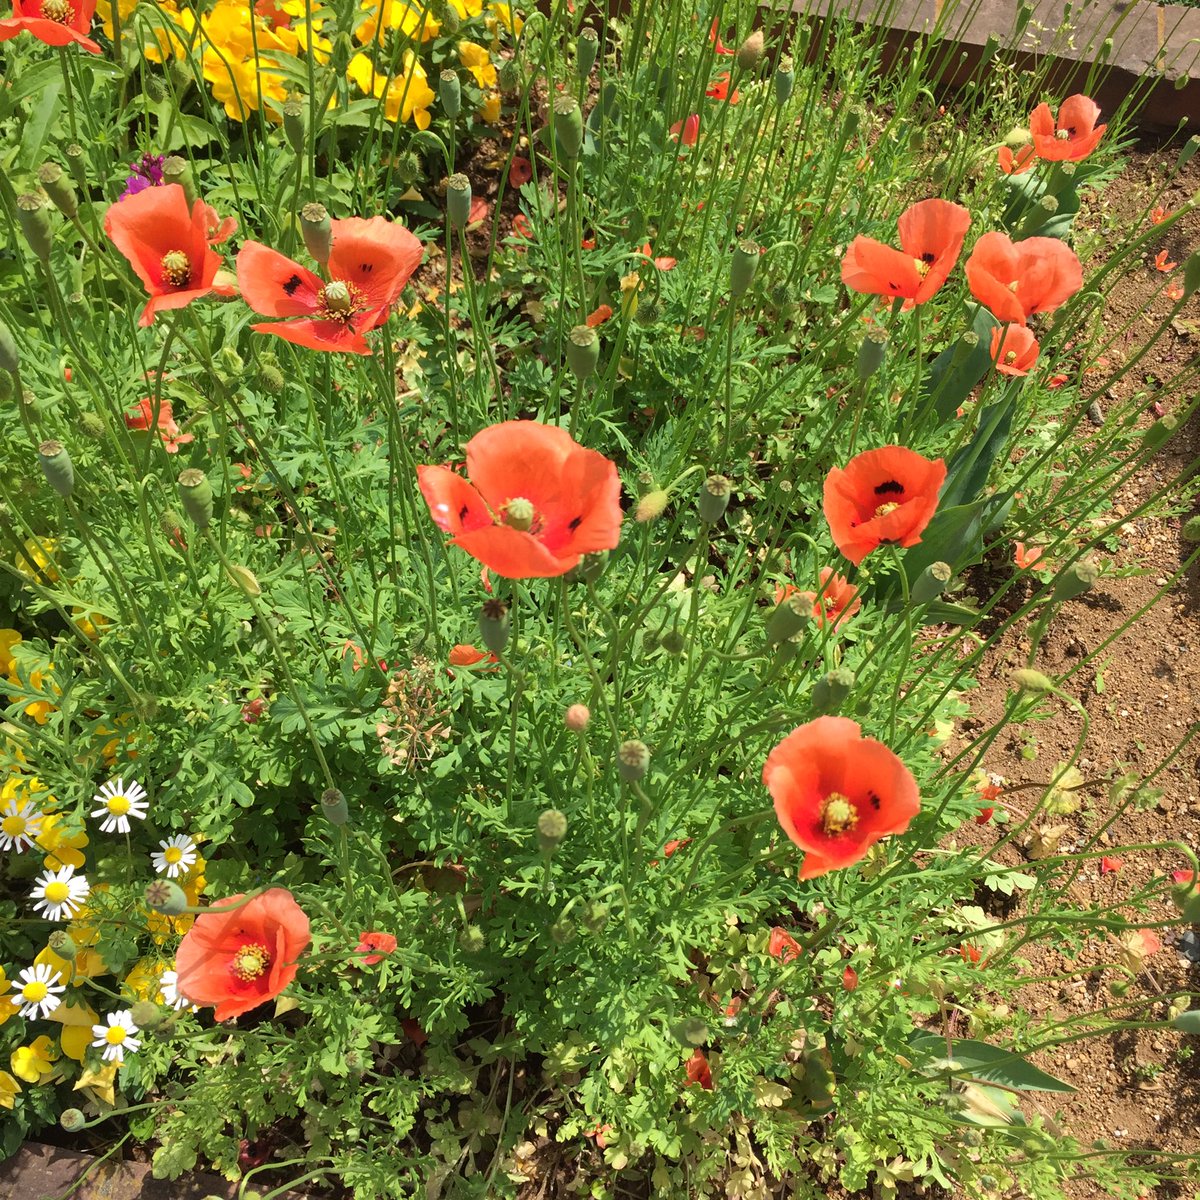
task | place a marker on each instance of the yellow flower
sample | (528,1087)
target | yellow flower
(405,97)
(477,60)
(38,680)
(507,18)
(104,10)
(489,110)
(467,8)
(88,623)
(9,1088)
(38,559)
(34,1061)
(8,1006)
(98,1084)
(173,30)
(236,84)
(88,964)
(8,639)
(77,1019)
(408,17)
(142,981)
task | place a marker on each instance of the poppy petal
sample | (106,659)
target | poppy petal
(453,503)
(878,270)
(376,255)
(274,285)
(316,335)
(514,554)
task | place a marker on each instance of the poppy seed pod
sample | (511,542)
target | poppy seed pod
(871,351)
(743,268)
(293,123)
(76,164)
(61,942)
(196,496)
(10,360)
(35,223)
(551,829)
(673,642)
(788,618)
(471,939)
(458,200)
(450,93)
(568,125)
(931,583)
(652,505)
(583,351)
(57,185)
(587,47)
(334,807)
(1029,680)
(494,625)
(145,1014)
(1191,274)
(714,498)
(72,1120)
(165,896)
(785,79)
(633,760)
(176,169)
(1078,578)
(832,690)
(56,466)
(750,52)
(317,231)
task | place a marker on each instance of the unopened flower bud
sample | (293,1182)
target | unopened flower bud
(230,365)
(317,232)
(56,466)
(1160,432)
(592,565)
(35,223)
(931,583)
(76,164)
(551,829)
(595,916)
(743,268)
(583,351)
(568,125)
(293,123)
(494,625)
(334,807)
(1029,680)
(1187,900)
(165,896)
(145,1014)
(788,618)
(72,1120)
(270,378)
(10,360)
(176,169)
(576,718)
(690,1031)
(458,200)
(1078,578)
(785,78)
(1187,1022)
(633,760)
(1191,530)
(471,939)
(196,496)
(408,168)
(562,931)
(750,52)
(1119,987)
(450,93)
(714,498)
(1191,273)
(832,690)
(57,185)
(673,642)
(508,76)
(871,352)
(652,505)
(587,46)
(63,944)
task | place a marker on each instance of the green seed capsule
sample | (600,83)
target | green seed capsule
(196,496)
(743,268)
(35,224)
(450,93)
(76,164)
(1191,272)
(458,200)
(56,466)
(293,123)
(587,47)
(714,498)
(494,625)
(551,829)
(57,185)
(72,1120)
(317,231)
(832,690)
(785,79)
(871,352)
(633,761)
(178,170)
(1078,578)
(931,583)
(568,125)
(61,942)
(1160,432)
(334,807)
(145,1014)
(788,618)
(583,351)
(165,896)
(10,360)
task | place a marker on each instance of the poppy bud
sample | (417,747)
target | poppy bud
(35,223)
(56,466)
(293,123)
(587,46)
(196,496)
(230,365)
(317,232)
(508,75)
(450,94)
(1191,530)
(652,505)
(750,52)
(576,718)
(270,378)
(176,169)
(61,942)
(334,807)
(458,200)
(1078,578)
(673,642)
(931,583)
(583,351)
(1017,137)
(1119,987)
(871,352)
(1189,149)
(493,625)
(690,1031)
(713,499)
(633,760)
(551,829)
(785,78)
(72,1120)
(595,916)
(916,141)
(145,1014)
(788,619)
(939,171)
(165,896)
(75,164)
(1191,272)
(743,268)
(1160,432)
(408,168)
(1187,1022)
(10,360)
(832,690)
(562,931)
(1029,680)
(849,979)
(448,19)
(58,187)
(471,939)
(1187,900)
(568,125)
(592,565)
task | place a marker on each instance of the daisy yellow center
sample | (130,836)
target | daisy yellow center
(35,992)
(176,268)
(173,854)
(251,961)
(57,892)
(57,10)
(838,815)
(14,826)
(884,509)
(518,514)
(117,805)
(116,1035)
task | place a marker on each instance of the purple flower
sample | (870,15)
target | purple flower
(147,172)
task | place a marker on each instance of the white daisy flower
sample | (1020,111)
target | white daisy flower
(168,984)
(38,987)
(117,803)
(116,1038)
(61,893)
(175,856)
(19,825)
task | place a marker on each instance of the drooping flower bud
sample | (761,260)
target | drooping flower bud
(931,583)
(832,690)
(551,829)
(583,351)
(673,642)
(743,268)
(785,78)
(196,496)
(568,125)
(472,939)
(145,1014)
(714,498)
(587,46)
(1029,680)
(57,185)
(750,52)
(10,360)
(562,932)
(270,377)
(35,223)
(494,625)
(788,618)
(450,94)
(458,200)
(595,916)
(176,169)
(165,896)
(652,505)
(633,760)
(1078,578)
(57,467)
(577,717)
(92,425)
(509,76)
(871,352)
(293,122)
(317,231)
(334,807)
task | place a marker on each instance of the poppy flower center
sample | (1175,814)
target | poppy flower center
(117,805)
(924,263)
(1064,134)
(1010,357)
(35,992)
(56,892)
(341,300)
(519,514)
(838,815)
(116,1034)
(251,961)
(884,509)
(13,826)
(57,10)
(176,268)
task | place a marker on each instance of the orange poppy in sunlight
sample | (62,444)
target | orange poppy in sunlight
(1163,263)
(1017,279)
(463,655)
(698,1071)
(782,945)
(882,497)
(1014,349)
(598,316)
(521,172)
(55,22)
(837,793)
(381,944)
(167,244)
(521,226)
(714,36)
(837,603)
(719,89)
(687,131)
(369,264)
(931,237)
(663,263)
(1070,138)
(1028,557)
(1018,163)
(143,416)
(536,503)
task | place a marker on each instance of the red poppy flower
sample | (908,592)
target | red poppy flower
(969,953)
(837,793)
(384,943)
(1017,279)
(520,172)
(521,226)
(468,656)
(478,211)
(931,237)
(1027,558)
(1073,136)
(539,503)
(687,131)
(598,316)
(142,416)
(837,603)
(719,89)
(587,243)
(984,815)
(883,497)
(55,22)
(168,247)
(1014,349)
(1109,864)
(664,263)
(1057,380)
(698,1071)
(715,37)
(672,846)
(369,264)
(782,945)
(1175,292)
(1019,163)
(849,979)
(1161,262)
(240,959)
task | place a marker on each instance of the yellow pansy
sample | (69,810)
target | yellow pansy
(509,19)
(104,10)
(173,30)
(8,1005)
(38,559)
(98,1083)
(88,964)
(8,639)
(9,1088)
(34,1061)
(411,19)
(405,97)
(77,1019)
(477,60)
(467,8)
(63,844)
(142,981)
(489,110)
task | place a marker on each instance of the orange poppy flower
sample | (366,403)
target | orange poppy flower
(240,959)
(714,36)
(1162,263)
(1014,349)
(142,416)
(687,131)
(168,247)
(521,172)
(521,226)
(719,89)
(837,603)
(467,656)
(381,943)
(931,237)
(837,793)
(55,22)
(1073,136)
(369,264)
(663,263)
(1017,279)
(883,497)
(1158,215)
(598,316)
(1027,557)
(698,1071)
(1019,163)
(782,945)
(536,504)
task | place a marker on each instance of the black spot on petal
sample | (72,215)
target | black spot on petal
(575,524)
(890,487)
(875,801)
(366,268)
(462,512)
(292,285)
